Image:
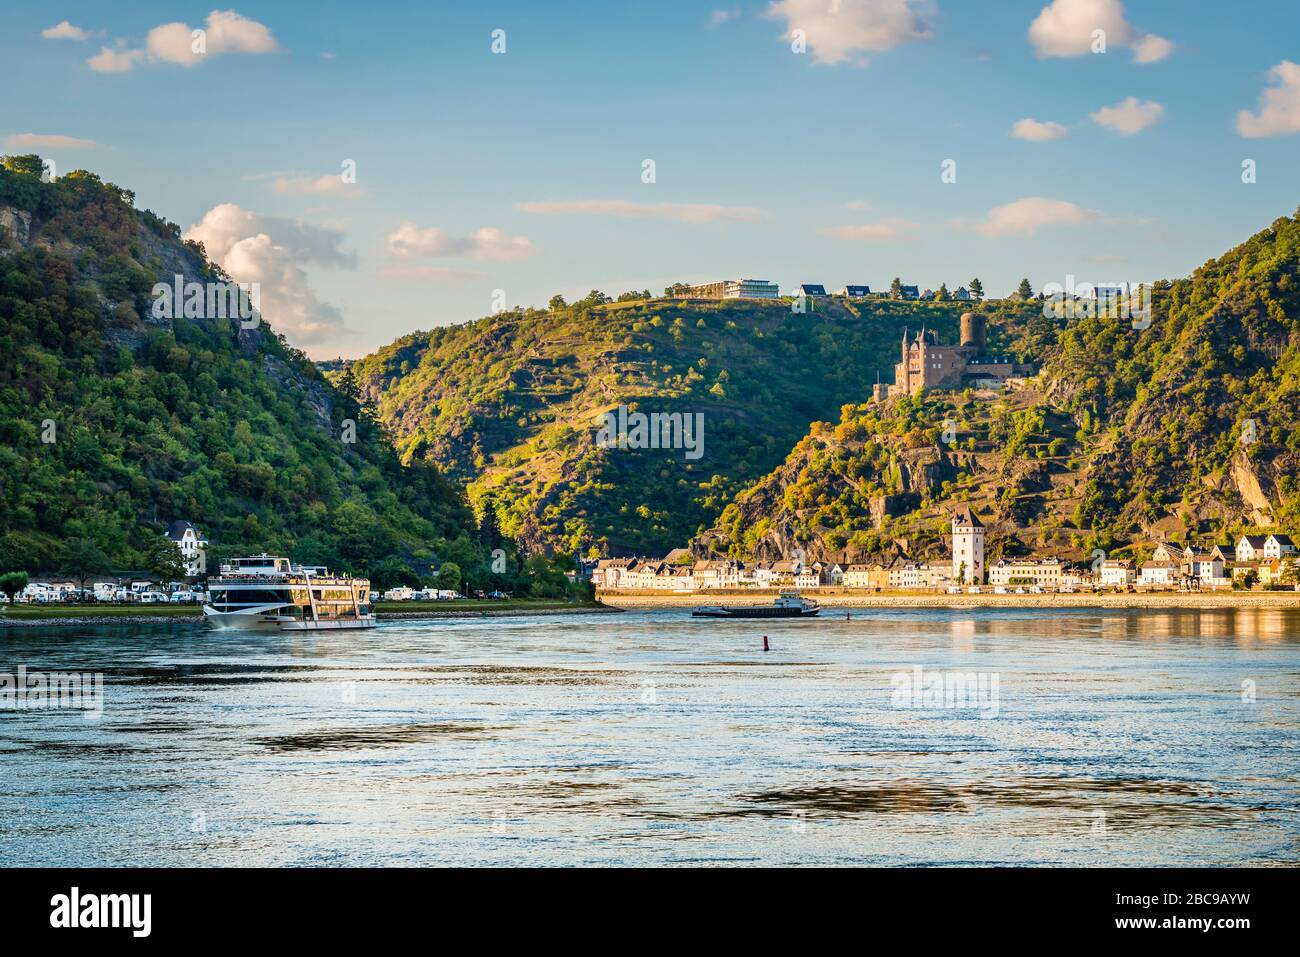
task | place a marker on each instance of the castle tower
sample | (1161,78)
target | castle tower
(967,548)
(906,367)
(973,333)
(879,390)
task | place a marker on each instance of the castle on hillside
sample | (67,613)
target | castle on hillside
(928,365)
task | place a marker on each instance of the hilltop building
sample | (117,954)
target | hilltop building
(735,289)
(925,364)
(967,548)
(855,292)
(809,289)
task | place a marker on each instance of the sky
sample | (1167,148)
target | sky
(384,167)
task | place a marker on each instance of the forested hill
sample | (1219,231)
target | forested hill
(114,422)
(1186,429)
(509,403)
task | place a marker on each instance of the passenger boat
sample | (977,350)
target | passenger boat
(789,605)
(268,593)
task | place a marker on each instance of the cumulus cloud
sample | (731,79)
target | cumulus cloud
(331,184)
(409,241)
(1066,28)
(884,231)
(115,61)
(54,141)
(224,31)
(626,209)
(64,30)
(1279,105)
(272,251)
(837,31)
(1129,116)
(1026,216)
(1035,132)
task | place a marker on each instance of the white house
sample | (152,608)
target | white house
(1205,566)
(192,545)
(1117,572)
(1250,548)
(609,571)
(1275,546)
(1159,573)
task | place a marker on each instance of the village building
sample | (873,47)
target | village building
(735,289)
(609,572)
(1159,573)
(967,548)
(1254,548)
(192,545)
(1038,572)
(855,292)
(1117,573)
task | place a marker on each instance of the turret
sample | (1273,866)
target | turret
(973,331)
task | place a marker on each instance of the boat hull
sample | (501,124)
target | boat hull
(258,619)
(758,611)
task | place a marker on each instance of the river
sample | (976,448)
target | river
(896,737)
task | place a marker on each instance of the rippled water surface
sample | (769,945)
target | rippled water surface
(650,738)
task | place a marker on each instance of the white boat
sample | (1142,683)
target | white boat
(268,593)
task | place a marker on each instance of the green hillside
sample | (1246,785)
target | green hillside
(509,403)
(113,422)
(1185,428)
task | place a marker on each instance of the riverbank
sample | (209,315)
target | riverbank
(27,616)
(842,599)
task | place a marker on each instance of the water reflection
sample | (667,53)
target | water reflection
(1143,737)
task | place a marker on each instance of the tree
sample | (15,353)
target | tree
(676,290)
(976,288)
(81,558)
(557,302)
(896,288)
(449,576)
(1290,572)
(162,559)
(489,525)
(943,295)
(1025,291)
(11,583)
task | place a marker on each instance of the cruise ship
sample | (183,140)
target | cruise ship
(268,593)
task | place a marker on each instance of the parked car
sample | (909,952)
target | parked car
(498,595)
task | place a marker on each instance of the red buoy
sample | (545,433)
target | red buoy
(765,647)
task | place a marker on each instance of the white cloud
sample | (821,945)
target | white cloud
(225,31)
(331,184)
(409,241)
(861,205)
(1026,216)
(1037,132)
(1129,116)
(722,16)
(841,30)
(64,30)
(1279,106)
(1066,28)
(626,209)
(885,231)
(54,141)
(114,61)
(271,252)
(1151,49)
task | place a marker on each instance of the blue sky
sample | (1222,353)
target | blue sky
(522,171)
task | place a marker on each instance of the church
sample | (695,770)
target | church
(925,364)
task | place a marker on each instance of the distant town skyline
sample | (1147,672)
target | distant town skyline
(391,167)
